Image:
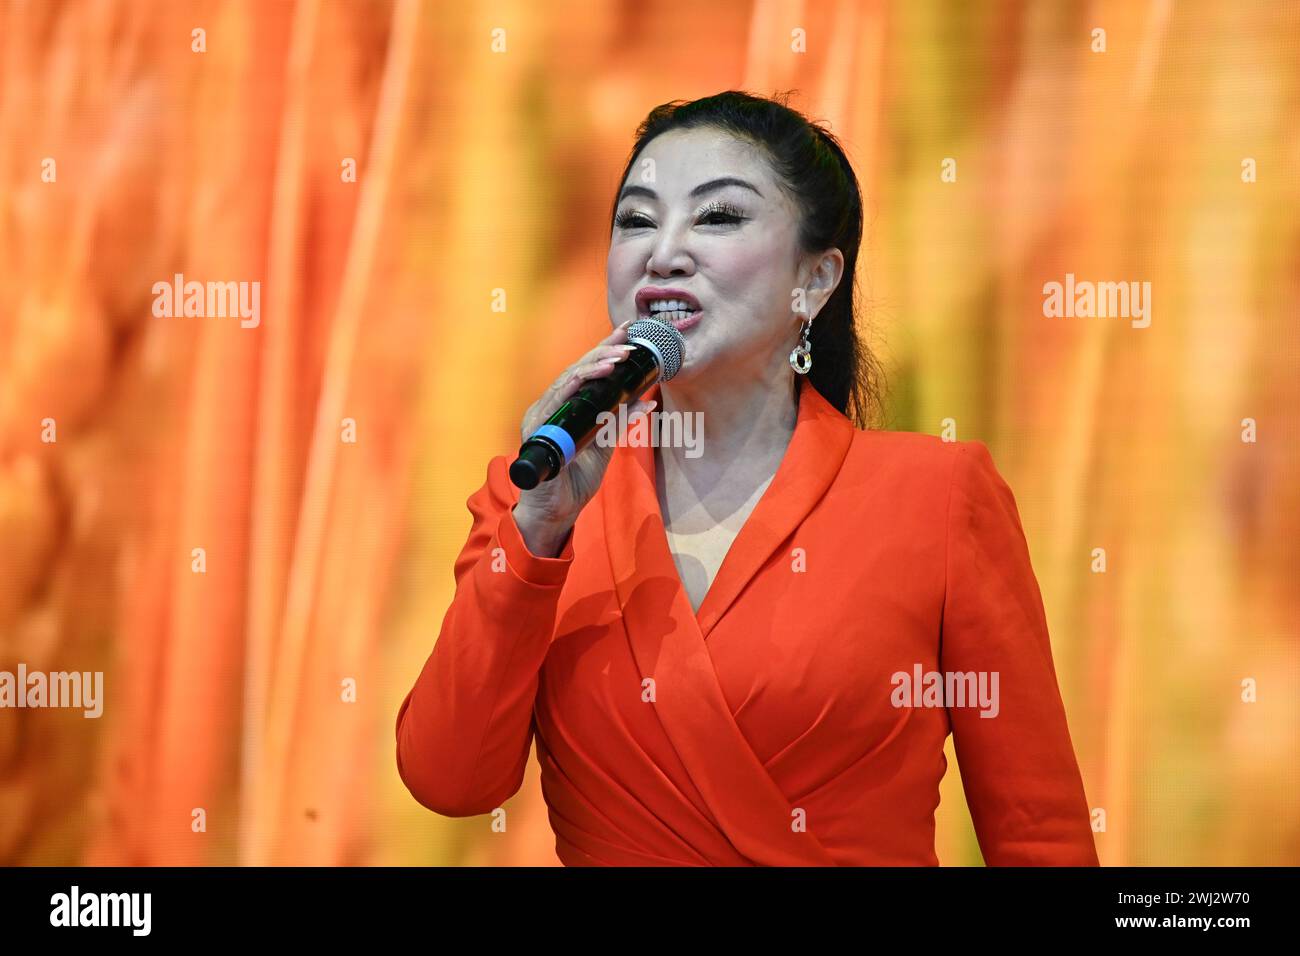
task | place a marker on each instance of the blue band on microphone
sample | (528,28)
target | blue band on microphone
(562,438)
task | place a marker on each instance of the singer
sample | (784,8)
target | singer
(707,649)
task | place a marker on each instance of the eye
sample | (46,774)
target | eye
(721,213)
(717,214)
(627,218)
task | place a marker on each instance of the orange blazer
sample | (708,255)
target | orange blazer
(771,728)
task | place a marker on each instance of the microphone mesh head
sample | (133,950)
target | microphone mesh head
(662,339)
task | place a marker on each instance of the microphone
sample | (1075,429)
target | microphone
(657,357)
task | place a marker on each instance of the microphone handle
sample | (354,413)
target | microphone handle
(573,425)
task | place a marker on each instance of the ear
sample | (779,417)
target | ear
(825,273)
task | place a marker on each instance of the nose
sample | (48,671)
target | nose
(669,256)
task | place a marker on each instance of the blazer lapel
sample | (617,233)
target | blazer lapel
(817,448)
(668,638)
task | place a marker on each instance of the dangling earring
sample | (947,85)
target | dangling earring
(801,357)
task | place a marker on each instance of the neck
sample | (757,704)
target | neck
(747,426)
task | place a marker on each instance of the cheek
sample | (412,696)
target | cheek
(747,274)
(621,264)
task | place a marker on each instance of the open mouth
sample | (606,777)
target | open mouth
(680,319)
(671,316)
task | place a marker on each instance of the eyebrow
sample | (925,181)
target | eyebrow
(703,188)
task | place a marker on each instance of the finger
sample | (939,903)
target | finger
(606,350)
(603,353)
(599,361)
(616,338)
(613,353)
(581,374)
(595,369)
(563,388)
(599,353)
(618,334)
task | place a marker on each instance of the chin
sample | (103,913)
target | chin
(690,368)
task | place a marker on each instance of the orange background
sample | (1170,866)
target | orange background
(482,169)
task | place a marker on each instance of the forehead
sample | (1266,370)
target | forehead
(683,159)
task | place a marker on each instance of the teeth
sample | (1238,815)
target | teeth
(669,305)
(673,315)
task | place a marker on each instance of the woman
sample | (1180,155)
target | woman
(787,705)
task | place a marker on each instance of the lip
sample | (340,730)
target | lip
(644,296)
(692,320)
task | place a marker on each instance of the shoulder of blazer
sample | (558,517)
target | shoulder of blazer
(910,464)
(915,449)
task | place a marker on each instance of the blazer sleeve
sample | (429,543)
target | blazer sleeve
(465,727)
(1018,768)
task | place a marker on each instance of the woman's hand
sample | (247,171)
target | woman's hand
(546,514)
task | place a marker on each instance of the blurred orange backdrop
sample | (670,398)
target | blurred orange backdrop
(1001,146)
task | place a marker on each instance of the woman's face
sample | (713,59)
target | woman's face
(733,246)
